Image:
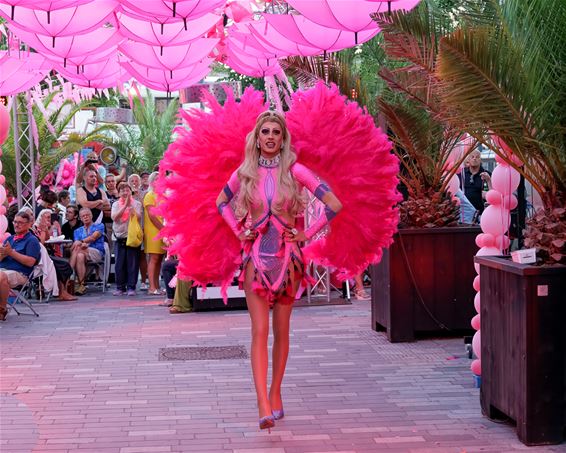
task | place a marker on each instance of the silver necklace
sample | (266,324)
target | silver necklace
(269,163)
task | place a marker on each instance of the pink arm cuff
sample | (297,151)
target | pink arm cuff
(225,208)
(311,182)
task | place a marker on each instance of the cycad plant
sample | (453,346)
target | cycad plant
(500,73)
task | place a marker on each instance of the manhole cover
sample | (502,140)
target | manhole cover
(203,353)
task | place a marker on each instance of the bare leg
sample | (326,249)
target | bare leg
(63,294)
(281,325)
(80,268)
(153,268)
(4,292)
(259,314)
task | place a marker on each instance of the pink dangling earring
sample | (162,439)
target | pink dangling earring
(257,145)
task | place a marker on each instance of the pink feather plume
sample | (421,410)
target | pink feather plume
(340,143)
(201,160)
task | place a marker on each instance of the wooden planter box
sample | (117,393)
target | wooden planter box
(435,264)
(523,333)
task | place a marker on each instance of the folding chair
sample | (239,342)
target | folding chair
(16,294)
(102,269)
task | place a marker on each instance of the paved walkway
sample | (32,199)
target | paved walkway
(87,377)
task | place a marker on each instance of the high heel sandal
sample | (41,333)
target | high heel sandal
(267,422)
(278,414)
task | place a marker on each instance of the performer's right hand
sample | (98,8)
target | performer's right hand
(248,235)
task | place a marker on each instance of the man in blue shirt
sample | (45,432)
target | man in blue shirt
(88,247)
(18,255)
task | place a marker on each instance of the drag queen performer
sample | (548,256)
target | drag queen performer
(266,192)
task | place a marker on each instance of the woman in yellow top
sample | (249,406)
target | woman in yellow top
(152,246)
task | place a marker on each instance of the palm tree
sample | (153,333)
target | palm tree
(500,73)
(154,130)
(51,149)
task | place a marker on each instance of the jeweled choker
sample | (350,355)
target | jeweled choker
(269,163)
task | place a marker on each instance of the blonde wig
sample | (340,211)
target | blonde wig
(288,189)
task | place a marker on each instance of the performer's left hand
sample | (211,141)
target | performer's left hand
(294,236)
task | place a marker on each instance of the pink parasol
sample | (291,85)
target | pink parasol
(44,5)
(69,47)
(156,34)
(161,80)
(95,75)
(72,63)
(20,74)
(350,15)
(308,34)
(169,11)
(250,65)
(64,22)
(169,58)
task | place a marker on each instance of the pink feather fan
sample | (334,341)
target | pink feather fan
(340,143)
(201,160)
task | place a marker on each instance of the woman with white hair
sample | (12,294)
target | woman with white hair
(43,229)
(153,246)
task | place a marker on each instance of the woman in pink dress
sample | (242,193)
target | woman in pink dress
(265,194)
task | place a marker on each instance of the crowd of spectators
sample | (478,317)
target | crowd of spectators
(78,225)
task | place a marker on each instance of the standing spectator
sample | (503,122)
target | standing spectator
(88,247)
(91,197)
(153,246)
(112,195)
(135,183)
(127,258)
(144,186)
(475,177)
(18,255)
(64,200)
(48,200)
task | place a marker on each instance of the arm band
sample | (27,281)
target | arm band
(227,213)
(320,223)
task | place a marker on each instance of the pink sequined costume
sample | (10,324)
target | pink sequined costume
(277,264)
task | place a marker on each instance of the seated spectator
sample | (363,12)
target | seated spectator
(127,258)
(18,255)
(42,229)
(73,222)
(87,248)
(64,200)
(48,200)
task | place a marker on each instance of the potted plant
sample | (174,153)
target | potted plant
(424,282)
(501,73)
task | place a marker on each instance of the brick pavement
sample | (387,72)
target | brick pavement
(86,377)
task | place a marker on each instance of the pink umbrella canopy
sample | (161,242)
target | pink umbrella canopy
(161,80)
(90,73)
(64,22)
(19,74)
(43,5)
(169,58)
(165,10)
(251,65)
(350,15)
(307,33)
(69,47)
(173,34)
(74,62)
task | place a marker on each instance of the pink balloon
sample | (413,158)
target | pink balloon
(486,251)
(476,367)
(2,179)
(477,302)
(476,283)
(495,220)
(4,123)
(476,344)
(2,194)
(510,202)
(505,179)
(3,224)
(502,242)
(485,240)
(476,322)
(2,210)
(494,197)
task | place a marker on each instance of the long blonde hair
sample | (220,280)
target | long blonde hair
(249,176)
